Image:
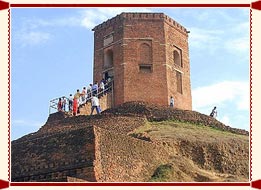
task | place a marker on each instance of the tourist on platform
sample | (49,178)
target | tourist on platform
(89,91)
(107,84)
(75,106)
(83,96)
(70,102)
(171,104)
(95,104)
(75,102)
(64,103)
(60,105)
(214,112)
(95,89)
(102,87)
(77,94)
(109,81)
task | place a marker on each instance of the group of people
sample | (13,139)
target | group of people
(61,106)
(212,114)
(92,93)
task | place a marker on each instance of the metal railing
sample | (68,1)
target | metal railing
(88,96)
(54,104)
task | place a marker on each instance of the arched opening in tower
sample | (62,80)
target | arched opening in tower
(177,58)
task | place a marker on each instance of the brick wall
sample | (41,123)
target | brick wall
(160,34)
(85,148)
(122,158)
(54,156)
(150,87)
(176,40)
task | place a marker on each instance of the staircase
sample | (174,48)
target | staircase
(105,99)
(106,102)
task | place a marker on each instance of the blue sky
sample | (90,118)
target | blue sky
(52,56)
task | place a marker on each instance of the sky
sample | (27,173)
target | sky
(52,56)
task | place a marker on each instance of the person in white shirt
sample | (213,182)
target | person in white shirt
(83,96)
(95,104)
(89,91)
(171,102)
(102,87)
(70,102)
(64,103)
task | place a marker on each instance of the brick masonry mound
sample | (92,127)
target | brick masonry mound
(105,148)
(160,113)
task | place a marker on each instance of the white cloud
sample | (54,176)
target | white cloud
(224,31)
(236,92)
(90,18)
(243,27)
(240,41)
(27,123)
(32,31)
(205,39)
(33,38)
(238,45)
(213,17)
(29,33)
(233,41)
(225,119)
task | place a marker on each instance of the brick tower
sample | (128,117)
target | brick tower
(147,56)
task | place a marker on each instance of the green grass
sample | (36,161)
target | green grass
(163,173)
(144,128)
(184,130)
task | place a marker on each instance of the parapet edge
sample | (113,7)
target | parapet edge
(141,16)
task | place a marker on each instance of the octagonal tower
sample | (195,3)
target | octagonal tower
(147,56)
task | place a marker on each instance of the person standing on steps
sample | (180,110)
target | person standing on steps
(171,104)
(95,89)
(102,87)
(75,102)
(83,96)
(214,112)
(95,104)
(89,91)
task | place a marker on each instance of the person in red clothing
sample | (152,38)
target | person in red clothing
(60,105)
(75,102)
(75,106)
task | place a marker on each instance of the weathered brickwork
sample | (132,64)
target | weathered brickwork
(85,148)
(121,158)
(103,148)
(140,49)
(54,156)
